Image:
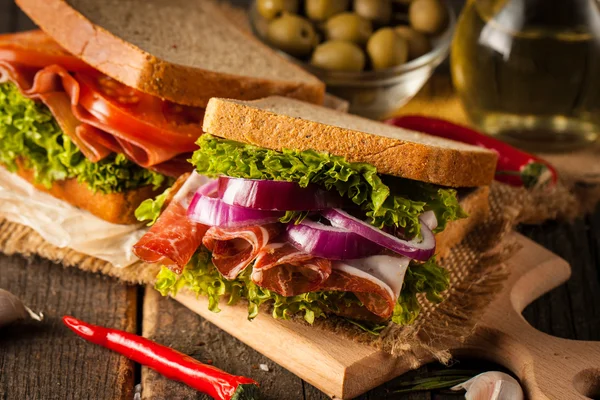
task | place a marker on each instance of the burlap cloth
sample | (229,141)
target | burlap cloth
(476,265)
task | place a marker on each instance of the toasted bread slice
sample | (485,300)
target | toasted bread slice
(118,208)
(278,123)
(185,51)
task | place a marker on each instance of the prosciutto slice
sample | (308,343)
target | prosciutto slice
(233,249)
(283,269)
(174,239)
(61,92)
(376,281)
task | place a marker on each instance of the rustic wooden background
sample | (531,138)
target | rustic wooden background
(46,361)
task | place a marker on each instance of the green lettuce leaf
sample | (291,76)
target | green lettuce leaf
(428,278)
(202,277)
(442,201)
(29,132)
(150,209)
(357,181)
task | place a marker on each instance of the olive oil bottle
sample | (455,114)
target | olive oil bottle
(529,70)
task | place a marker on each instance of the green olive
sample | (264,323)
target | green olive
(386,49)
(349,27)
(418,44)
(428,16)
(271,9)
(338,55)
(292,34)
(378,11)
(320,10)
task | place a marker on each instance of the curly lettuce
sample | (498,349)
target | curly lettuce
(149,210)
(29,134)
(202,278)
(428,278)
(360,182)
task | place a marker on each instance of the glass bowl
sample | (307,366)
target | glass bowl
(374,94)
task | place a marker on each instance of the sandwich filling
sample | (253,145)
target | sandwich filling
(302,231)
(31,138)
(63,119)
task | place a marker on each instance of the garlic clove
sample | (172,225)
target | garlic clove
(12,309)
(491,385)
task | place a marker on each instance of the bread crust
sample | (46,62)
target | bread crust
(431,160)
(476,205)
(143,71)
(117,208)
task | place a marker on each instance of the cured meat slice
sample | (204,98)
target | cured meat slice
(376,281)
(174,239)
(233,249)
(174,167)
(283,269)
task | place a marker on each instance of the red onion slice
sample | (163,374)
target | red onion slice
(421,250)
(214,212)
(275,195)
(209,189)
(429,219)
(330,242)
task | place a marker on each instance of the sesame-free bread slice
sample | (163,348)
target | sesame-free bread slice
(118,208)
(279,123)
(186,51)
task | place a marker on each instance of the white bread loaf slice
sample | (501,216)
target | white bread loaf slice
(185,51)
(279,123)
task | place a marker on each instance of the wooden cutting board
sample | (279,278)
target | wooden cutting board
(548,367)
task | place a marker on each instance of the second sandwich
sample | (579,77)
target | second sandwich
(316,212)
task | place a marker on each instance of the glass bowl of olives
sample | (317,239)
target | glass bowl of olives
(376,54)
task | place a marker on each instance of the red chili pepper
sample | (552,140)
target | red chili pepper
(515,167)
(168,362)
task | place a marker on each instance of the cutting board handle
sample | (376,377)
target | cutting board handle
(548,367)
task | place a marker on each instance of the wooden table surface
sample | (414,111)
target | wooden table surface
(46,361)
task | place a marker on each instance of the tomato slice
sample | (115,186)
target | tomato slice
(36,49)
(145,118)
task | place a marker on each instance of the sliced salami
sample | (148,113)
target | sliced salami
(283,269)
(174,239)
(233,249)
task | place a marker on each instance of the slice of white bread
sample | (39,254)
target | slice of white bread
(279,123)
(185,51)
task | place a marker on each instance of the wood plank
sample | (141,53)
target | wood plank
(594,236)
(552,312)
(22,22)
(46,360)
(167,322)
(572,310)
(8,11)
